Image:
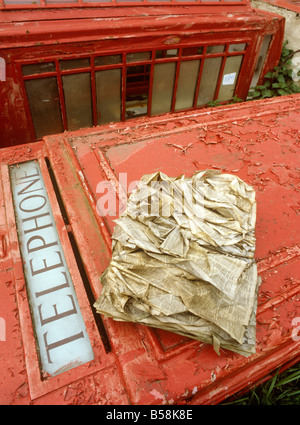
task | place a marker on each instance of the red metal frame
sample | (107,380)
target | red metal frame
(104,31)
(80,3)
(124,66)
(285,4)
(147,366)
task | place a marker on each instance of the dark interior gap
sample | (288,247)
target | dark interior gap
(80,264)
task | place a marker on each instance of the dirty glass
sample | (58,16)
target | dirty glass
(44,105)
(137,89)
(38,68)
(77,91)
(108,91)
(108,60)
(61,1)
(209,80)
(136,57)
(229,78)
(187,82)
(163,83)
(170,53)
(20,2)
(237,47)
(215,49)
(74,63)
(261,59)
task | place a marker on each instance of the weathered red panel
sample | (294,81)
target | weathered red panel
(60,33)
(258,141)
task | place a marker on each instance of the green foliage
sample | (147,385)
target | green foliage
(279,390)
(278,82)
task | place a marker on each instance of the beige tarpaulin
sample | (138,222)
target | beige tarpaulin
(183,259)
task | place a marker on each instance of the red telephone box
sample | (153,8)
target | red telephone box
(71,65)
(55,246)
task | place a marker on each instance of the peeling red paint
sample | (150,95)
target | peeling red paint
(61,33)
(258,141)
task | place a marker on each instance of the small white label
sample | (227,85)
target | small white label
(59,327)
(229,79)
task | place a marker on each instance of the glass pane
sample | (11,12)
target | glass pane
(20,2)
(261,59)
(187,82)
(136,57)
(77,91)
(108,60)
(229,78)
(215,49)
(209,80)
(170,53)
(108,90)
(163,83)
(44,105)
(137,88)
(61,1)
(38,68)
(237,47)
(74,63)
(192,51)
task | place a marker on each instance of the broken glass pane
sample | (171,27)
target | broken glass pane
(192,51)
(137,88)
(170,53)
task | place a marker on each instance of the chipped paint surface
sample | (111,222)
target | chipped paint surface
(258,141)
(28,36)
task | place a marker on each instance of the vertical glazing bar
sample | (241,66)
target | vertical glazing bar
(199,77)
(93,87)
(176,78)
(221,72)
(26,103)
(123,83)
(151,84)
(61,95)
